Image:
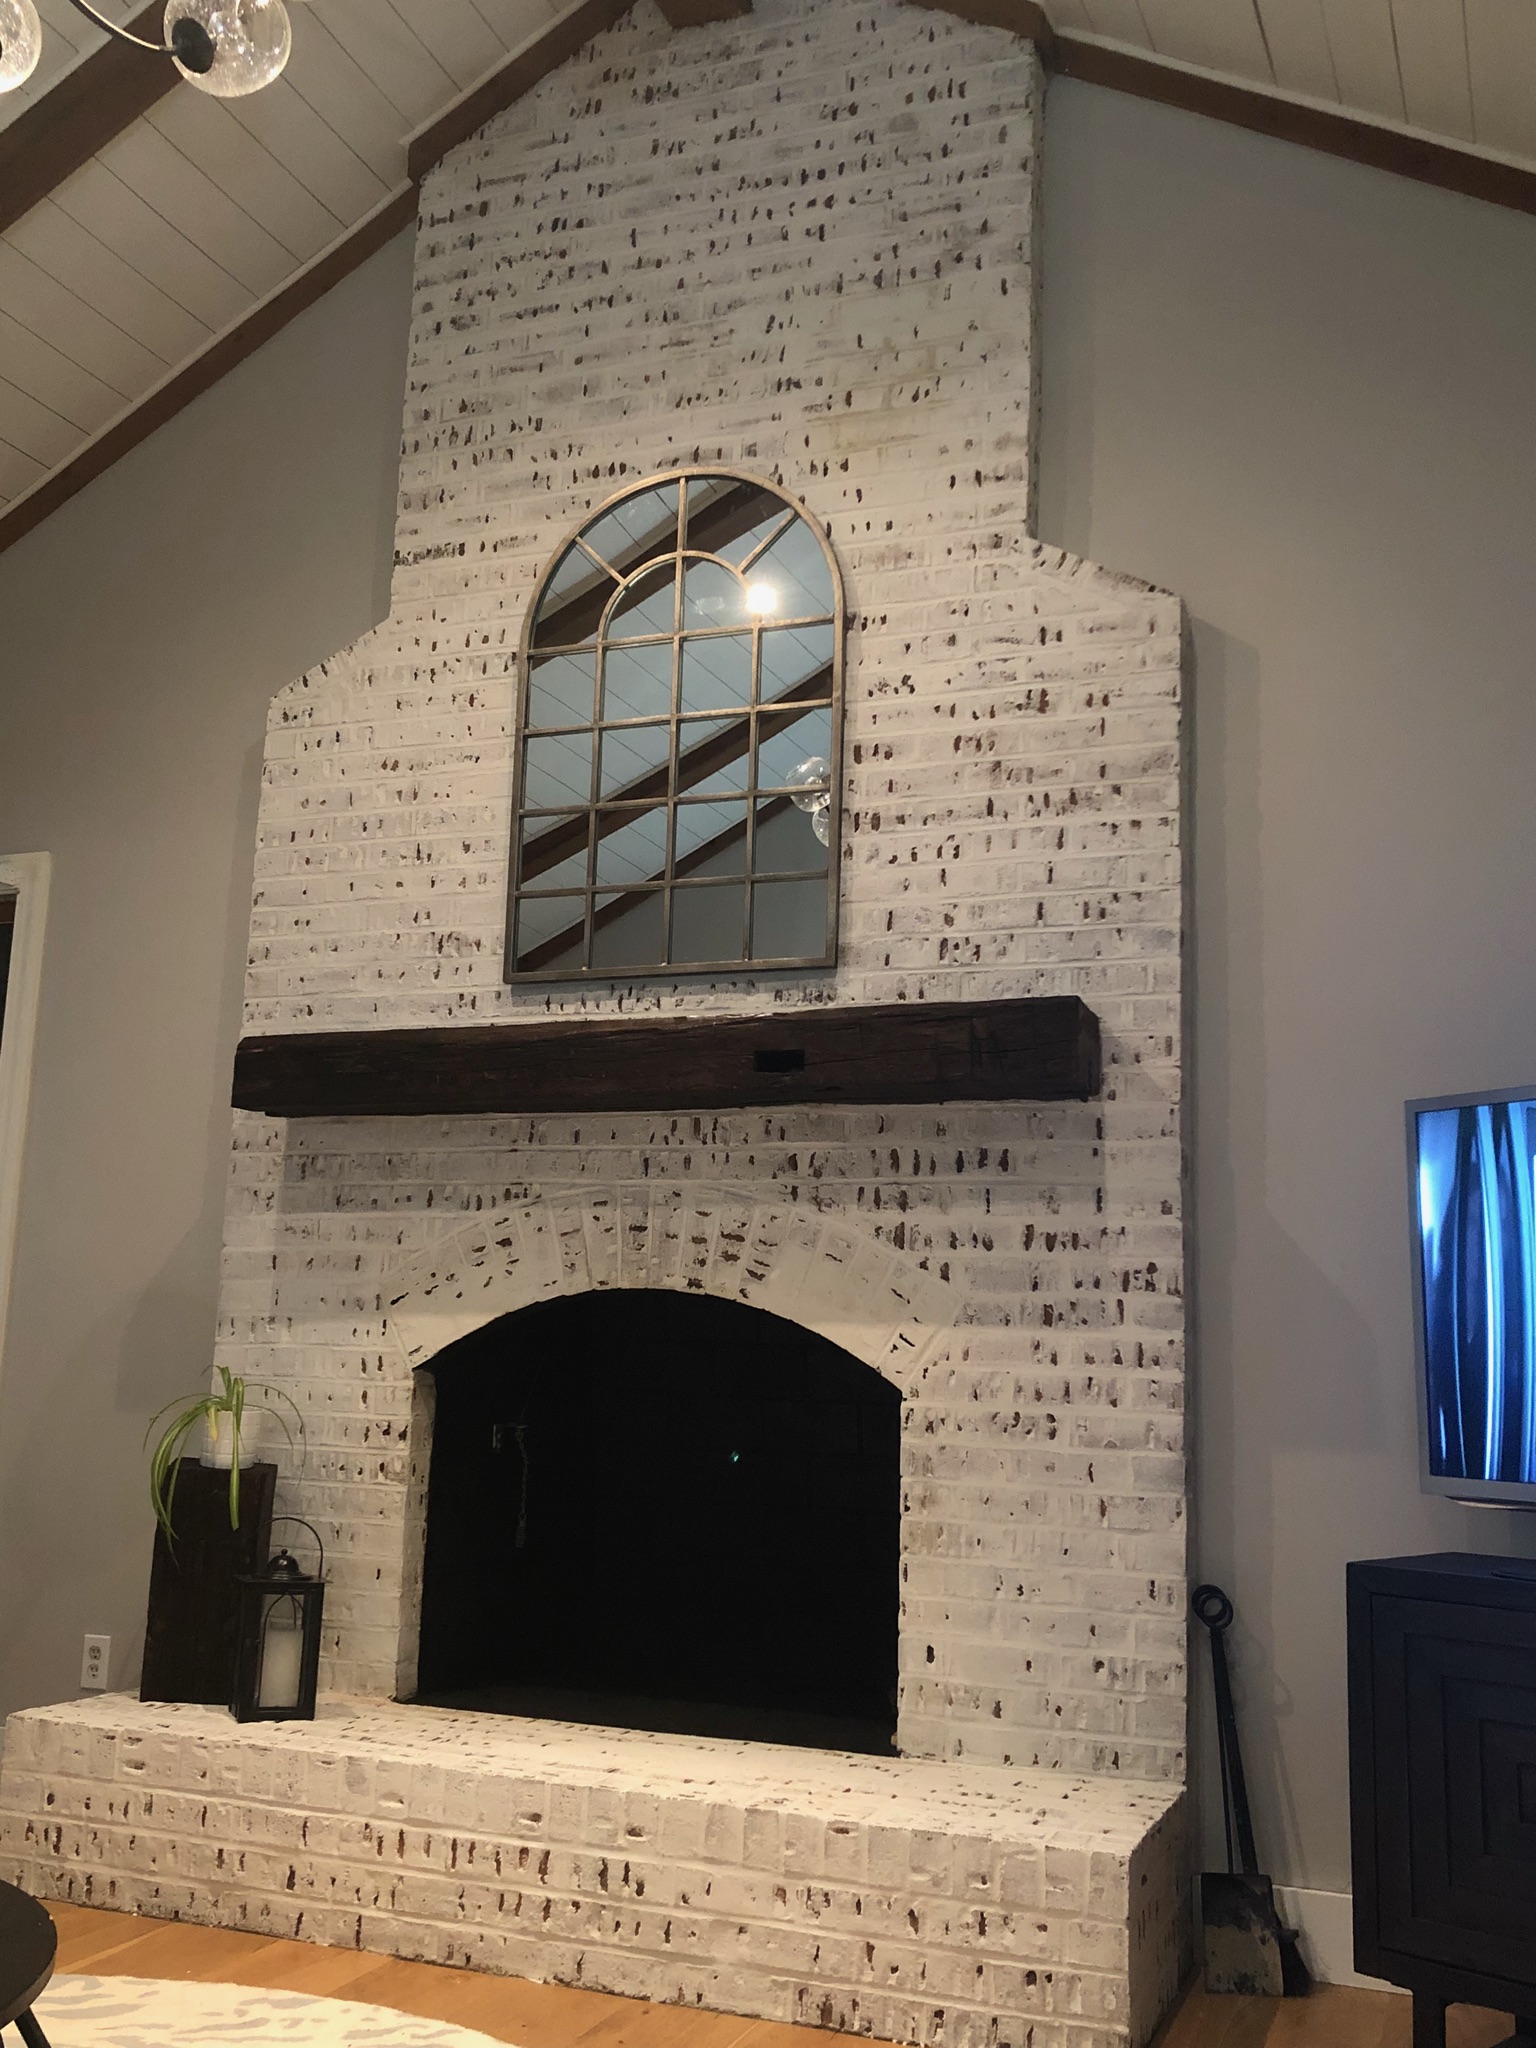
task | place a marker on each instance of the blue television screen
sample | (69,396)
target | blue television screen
(1474,1166)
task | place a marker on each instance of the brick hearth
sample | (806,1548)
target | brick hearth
(958,1903)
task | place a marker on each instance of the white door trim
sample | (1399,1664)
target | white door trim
(28,874)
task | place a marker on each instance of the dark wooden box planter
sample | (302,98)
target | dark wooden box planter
(189,1637)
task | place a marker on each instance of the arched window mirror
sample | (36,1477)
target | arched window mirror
(680,739)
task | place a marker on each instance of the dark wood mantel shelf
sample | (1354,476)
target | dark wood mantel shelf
(1041,1049)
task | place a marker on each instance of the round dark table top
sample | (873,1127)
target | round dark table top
(28,1944)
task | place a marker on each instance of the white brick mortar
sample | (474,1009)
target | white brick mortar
(944,1903)
(798,244)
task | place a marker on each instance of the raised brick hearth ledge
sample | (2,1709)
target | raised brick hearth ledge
(944,1902)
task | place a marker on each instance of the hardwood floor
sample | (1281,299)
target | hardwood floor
(552,2016)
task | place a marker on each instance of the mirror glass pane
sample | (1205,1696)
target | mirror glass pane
(787,746)
(646,606)
(557,771)
(631,846)
(637,681)
(630,532)
(560,690)
(709,923)
(713,596)
(668,676)
(554,853)
(794,571)
(550,931)
(796,660)
(784,841)
(629,930)
(717,671)
(711,839)
(636,761)
(713,755)
(788,919)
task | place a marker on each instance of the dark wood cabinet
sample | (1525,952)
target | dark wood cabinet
(1442,1764)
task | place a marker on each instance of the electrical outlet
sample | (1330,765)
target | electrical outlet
(93,1665)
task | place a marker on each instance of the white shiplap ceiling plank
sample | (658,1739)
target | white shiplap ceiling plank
(1298,47)
(38,368)
(36,429)
(1501,43)
(1218,35)
(306,145)
(1121,21)
(1071,17)
(1365,56)
(73,257)
(513,21)
(391,54)
(208,135)
(1432,61)
(102,203)
(18,472)
(75,329)
(341,92)
(457,36)
(196,208)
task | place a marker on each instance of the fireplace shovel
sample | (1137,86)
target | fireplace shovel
(1247,1948)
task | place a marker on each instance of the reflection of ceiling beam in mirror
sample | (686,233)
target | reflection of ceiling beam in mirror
(610,913)
(560,841)
(712,525)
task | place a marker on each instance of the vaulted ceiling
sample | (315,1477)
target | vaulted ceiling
(153,235)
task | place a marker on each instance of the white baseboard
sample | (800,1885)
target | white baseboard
(1324,1922)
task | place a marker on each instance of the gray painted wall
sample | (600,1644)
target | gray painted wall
(146,625)
(1299,393)
(1303,395)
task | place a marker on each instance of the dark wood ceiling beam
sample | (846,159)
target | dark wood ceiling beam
(1336,134)
(90,106)
(699,13)
(1444,164)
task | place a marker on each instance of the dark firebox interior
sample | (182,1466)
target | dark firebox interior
(664,1511)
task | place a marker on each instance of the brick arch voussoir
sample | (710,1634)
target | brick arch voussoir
(828,1271)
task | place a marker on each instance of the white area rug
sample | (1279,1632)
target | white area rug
(151,2012)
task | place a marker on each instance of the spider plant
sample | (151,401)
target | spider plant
(226,1404)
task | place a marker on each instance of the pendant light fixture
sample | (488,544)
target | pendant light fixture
(224,47)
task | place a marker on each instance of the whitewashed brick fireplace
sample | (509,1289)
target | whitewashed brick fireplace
(800,245)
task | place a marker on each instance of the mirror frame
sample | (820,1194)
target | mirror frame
(663,969)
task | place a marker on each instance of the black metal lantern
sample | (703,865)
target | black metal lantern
(277,1641)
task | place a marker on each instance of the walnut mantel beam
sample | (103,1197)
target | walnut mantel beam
(1038,1049)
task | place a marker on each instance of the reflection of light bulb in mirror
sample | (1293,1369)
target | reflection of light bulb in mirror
(808,783)
(762,599)
(21,42)
(249,42)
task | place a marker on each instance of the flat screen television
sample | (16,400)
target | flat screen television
(1472,1195)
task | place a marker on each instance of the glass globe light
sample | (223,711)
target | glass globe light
(250,42)
(21,42)
(821,821)
(807,784)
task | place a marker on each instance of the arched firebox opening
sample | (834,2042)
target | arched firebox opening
(669,1511)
